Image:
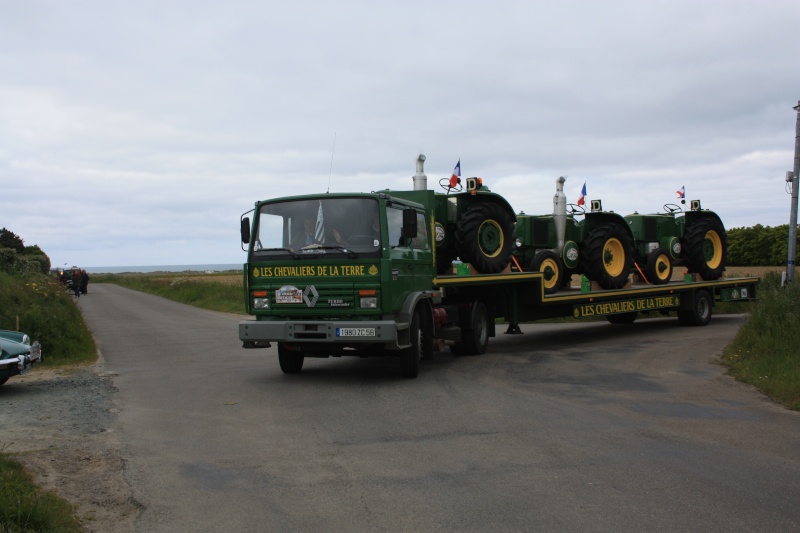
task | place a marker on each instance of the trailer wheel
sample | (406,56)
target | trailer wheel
(623,318)
(409,357)
(700,314)
(484,237)
(659,267)
(475,338)
(706,247)
(291,361)
(608,256)
(547,262)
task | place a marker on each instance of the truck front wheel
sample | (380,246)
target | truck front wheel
(409,357)
(291,361)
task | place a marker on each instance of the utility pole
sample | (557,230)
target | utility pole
(793,215)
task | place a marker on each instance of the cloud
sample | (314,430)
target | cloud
(148,128)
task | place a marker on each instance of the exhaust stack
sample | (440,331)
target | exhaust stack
(420,179)
(560,213)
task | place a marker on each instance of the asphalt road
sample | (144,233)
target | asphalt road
(569,427)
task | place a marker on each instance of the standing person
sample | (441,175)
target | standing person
(84,282)
(76,282)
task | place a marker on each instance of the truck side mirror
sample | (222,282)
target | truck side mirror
(245,230)
(409,223)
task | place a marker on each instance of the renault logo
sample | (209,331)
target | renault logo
(312,300)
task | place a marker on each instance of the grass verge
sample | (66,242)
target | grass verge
(764,352)
(25,508)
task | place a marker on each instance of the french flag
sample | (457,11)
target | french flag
(582,199)
(455,179)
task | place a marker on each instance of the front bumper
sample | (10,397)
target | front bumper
(20,364)
(340,332)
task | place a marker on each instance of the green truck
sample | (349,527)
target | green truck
(406,274)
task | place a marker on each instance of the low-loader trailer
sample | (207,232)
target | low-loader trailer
(405,274)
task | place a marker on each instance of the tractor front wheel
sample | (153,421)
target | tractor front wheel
(547,262)
(659,267)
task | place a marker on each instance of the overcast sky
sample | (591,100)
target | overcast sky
(138,132)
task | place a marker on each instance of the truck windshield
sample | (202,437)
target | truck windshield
(304,228)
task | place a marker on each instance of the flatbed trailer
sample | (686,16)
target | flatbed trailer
(520,297)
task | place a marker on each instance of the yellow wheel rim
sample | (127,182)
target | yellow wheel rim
(712,249)
(549,268)
(662,267)
(491,238)
(613,257)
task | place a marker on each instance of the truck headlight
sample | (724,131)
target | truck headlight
(261,303)
(369,302)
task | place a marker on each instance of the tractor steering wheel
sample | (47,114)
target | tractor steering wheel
(672,208)
(575,209)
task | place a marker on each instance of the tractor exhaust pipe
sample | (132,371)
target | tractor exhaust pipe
(420,179)
(560,214)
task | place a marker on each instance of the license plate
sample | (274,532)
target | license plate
(355,332)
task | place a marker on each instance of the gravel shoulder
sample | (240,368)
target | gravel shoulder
(60,424)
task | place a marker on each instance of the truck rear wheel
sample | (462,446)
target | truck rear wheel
(659,267)
(475,337)
(409,357)
(622,318)
(700,314)
(291,361)
(608,256)
(706,247)
(484,237)
(547,262)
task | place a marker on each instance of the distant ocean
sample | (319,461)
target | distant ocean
(164,268)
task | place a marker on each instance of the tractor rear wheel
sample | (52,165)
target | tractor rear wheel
(659,267)
(608,256)
(547,262)
(484,237)
(705,246)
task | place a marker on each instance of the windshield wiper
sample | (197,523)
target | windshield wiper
(294,255)
(350,253)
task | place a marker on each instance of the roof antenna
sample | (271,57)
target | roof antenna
(330,172)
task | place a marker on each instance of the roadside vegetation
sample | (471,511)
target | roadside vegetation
(33,301)
(215,292)
(24,508)
(764,352)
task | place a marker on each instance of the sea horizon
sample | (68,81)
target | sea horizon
(145,269)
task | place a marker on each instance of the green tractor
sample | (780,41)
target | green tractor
(600,246)
(695,239)
(479,227)
(474,225)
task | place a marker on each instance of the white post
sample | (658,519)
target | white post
(793,216)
